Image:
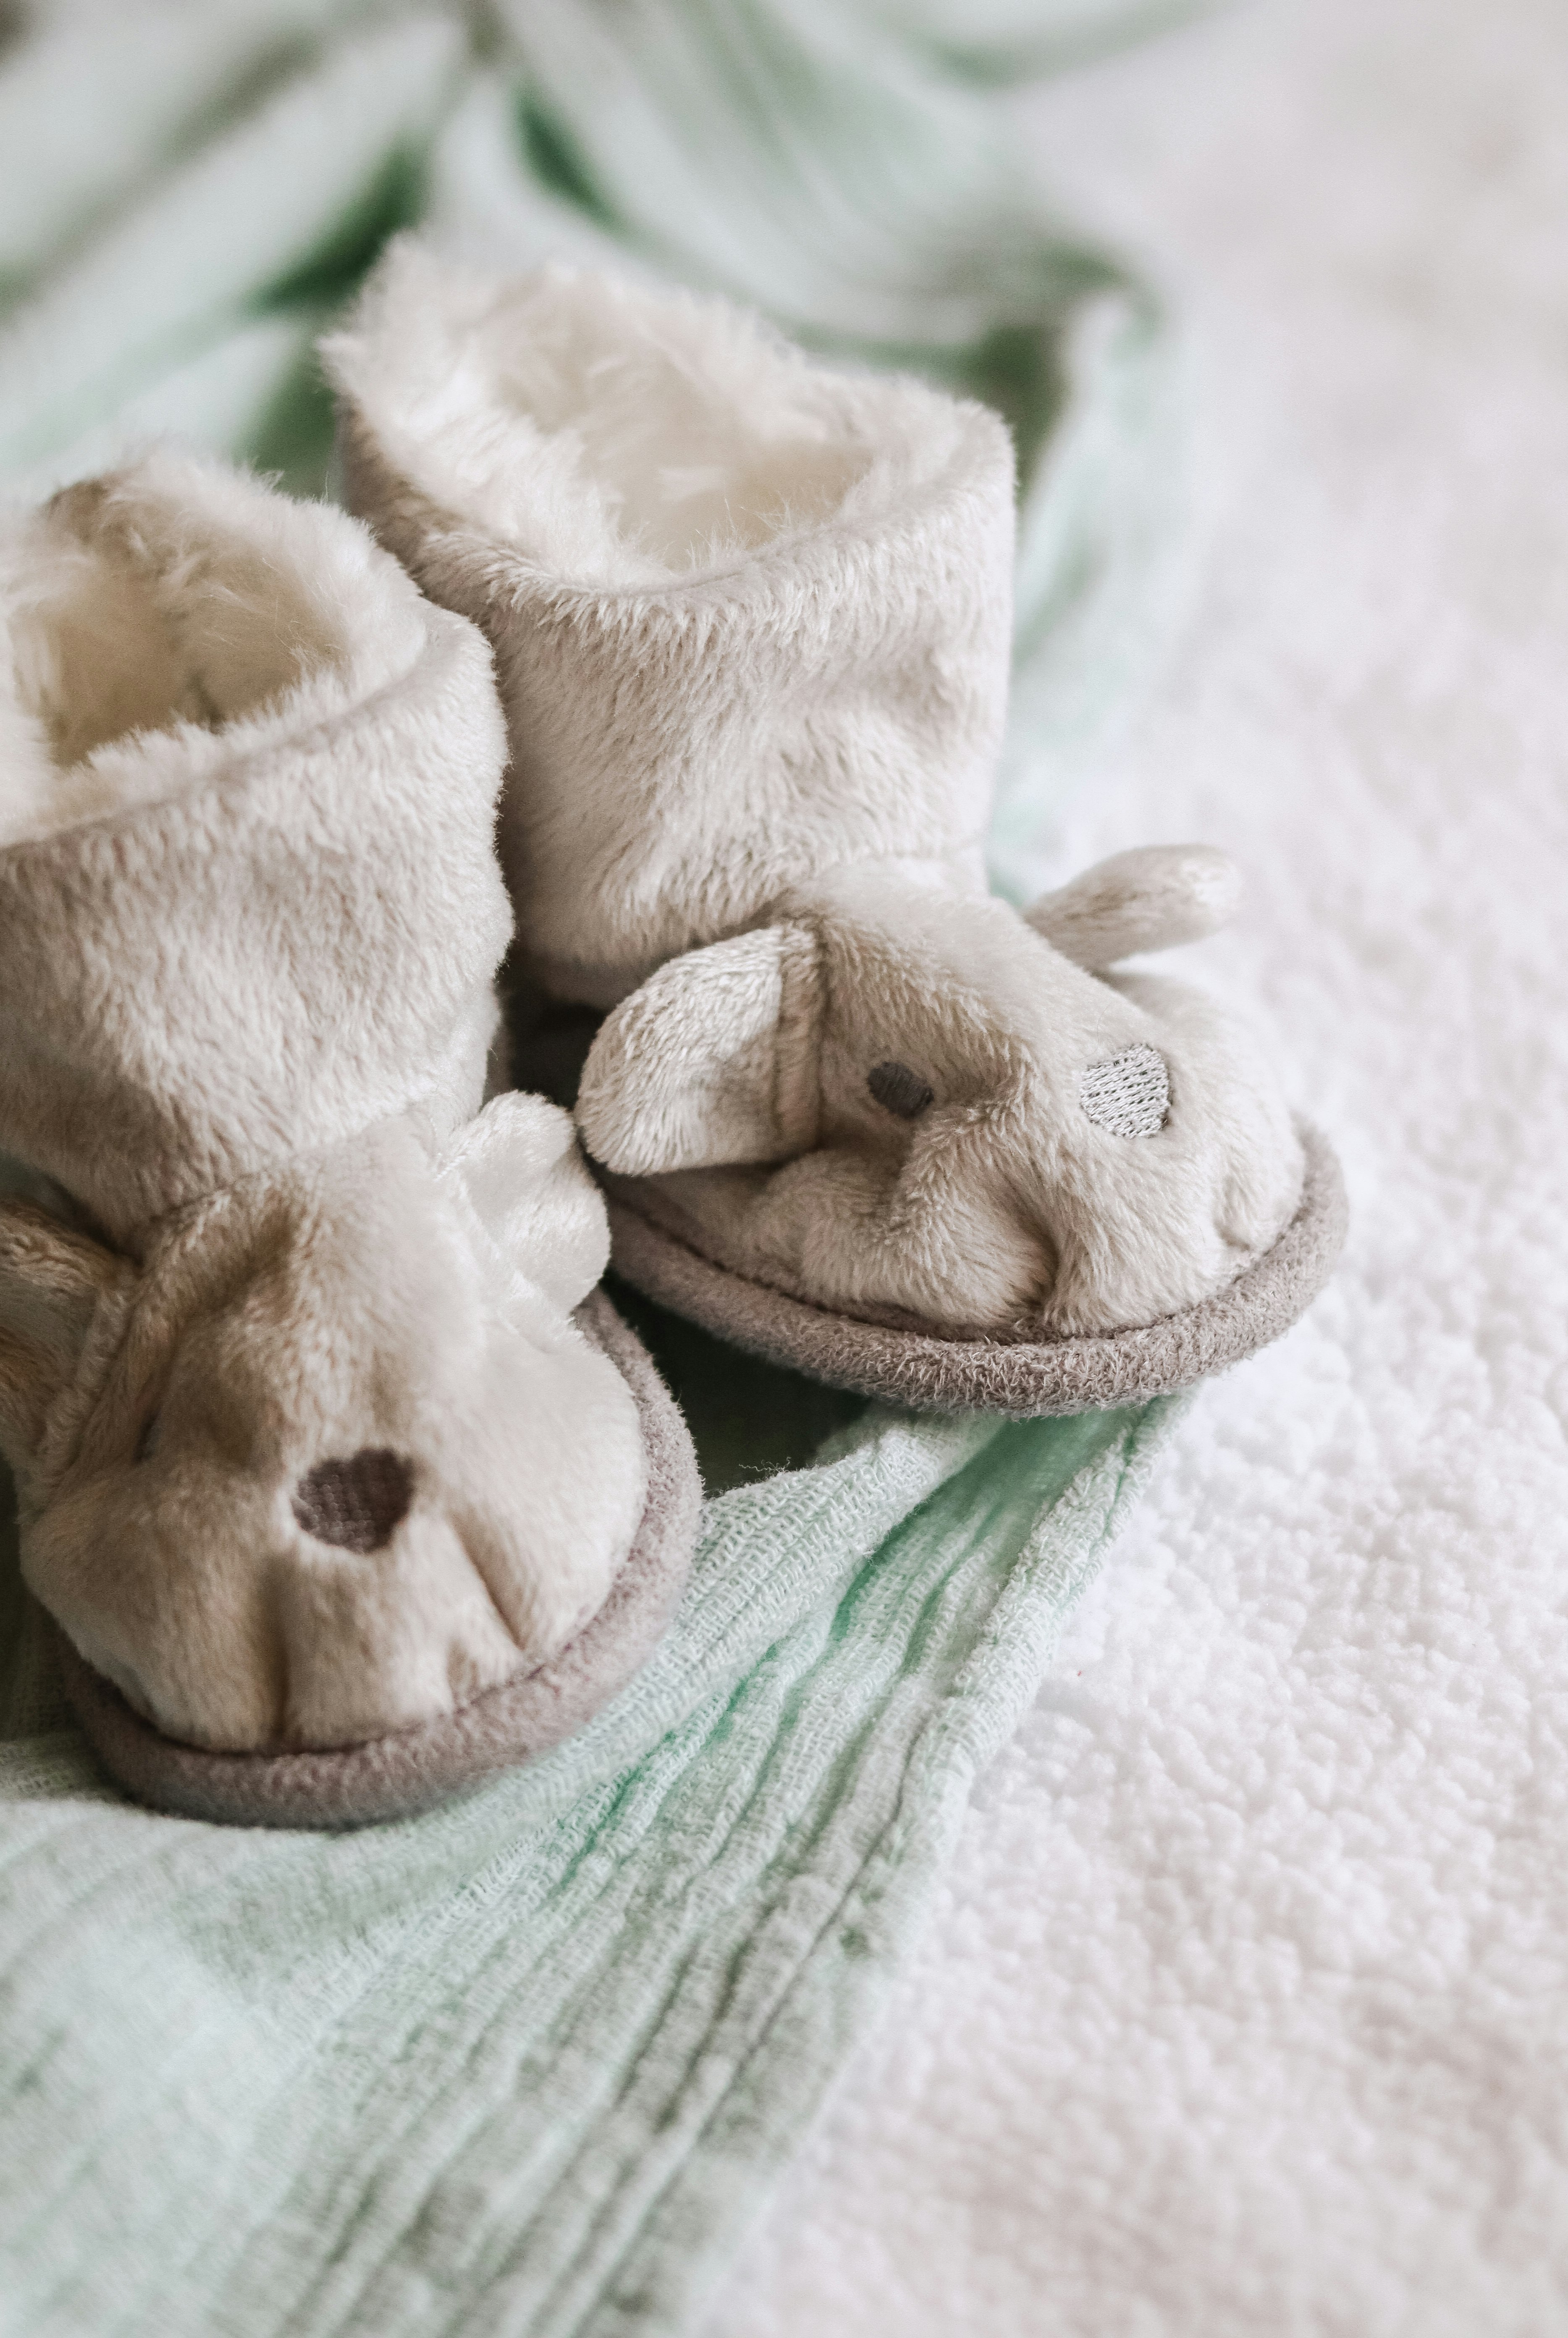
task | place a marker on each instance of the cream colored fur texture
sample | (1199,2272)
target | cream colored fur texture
(910,1080)
(751,619)
(308,1445)
(750,614)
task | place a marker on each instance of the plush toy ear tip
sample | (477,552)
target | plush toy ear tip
(1211,878)
(1150,898)
(693,1071)
(52,1278)
(51,1274)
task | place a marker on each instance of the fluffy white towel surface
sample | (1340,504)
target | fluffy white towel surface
(1246,2013)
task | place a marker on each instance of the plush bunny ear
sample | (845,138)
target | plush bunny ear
(51,1278)
(520,1169)
(713,1061)
(1148,899)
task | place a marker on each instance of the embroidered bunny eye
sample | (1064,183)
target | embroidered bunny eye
(898,1089)
(1129,1093)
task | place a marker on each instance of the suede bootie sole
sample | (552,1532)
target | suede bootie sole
(931,1371)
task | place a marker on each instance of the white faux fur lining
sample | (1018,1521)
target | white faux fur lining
(630,438)
(161,623)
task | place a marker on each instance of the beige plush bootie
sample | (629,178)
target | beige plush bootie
(752,621)
(325,1474)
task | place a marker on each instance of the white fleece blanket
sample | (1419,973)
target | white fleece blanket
(1246,2011)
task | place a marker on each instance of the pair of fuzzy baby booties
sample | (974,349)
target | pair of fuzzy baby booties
(343,1482)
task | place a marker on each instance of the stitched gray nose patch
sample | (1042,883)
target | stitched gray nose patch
(356,1504)
(1129,1093)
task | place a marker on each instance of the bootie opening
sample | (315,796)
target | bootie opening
(165,599)
(624,437)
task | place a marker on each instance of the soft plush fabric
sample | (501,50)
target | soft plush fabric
(224,701)
(314,1451)
(936,1080)
(406,1770)
(750,614)
(1024,1377)
(750,617)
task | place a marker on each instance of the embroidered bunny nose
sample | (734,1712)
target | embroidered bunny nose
(356,1504)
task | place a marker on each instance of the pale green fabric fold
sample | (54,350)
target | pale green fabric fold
(307,181)
(1002,41)
(529,2064)
(95,103)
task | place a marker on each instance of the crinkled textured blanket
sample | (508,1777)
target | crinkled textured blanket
(1245,2011)
(521,2066)
(527,2065)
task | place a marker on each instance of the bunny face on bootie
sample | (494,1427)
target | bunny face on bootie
(310,1468)
(915,1105)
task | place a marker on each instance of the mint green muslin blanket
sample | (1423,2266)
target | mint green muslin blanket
(528,2065)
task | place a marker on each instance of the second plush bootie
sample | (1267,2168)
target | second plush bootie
(325,1477)
(752,621)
